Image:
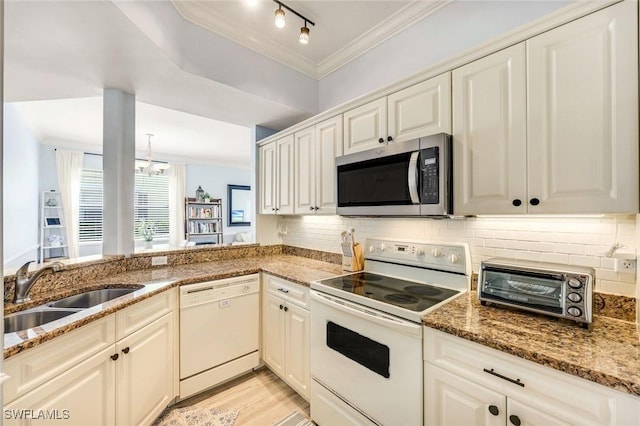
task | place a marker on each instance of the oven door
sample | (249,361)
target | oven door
(370,360)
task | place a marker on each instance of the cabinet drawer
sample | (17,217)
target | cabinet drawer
(137,316)
(539,385)
(48,360)
(287,290)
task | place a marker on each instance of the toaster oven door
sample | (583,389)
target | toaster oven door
(538,292)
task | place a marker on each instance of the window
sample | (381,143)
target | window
(151,203)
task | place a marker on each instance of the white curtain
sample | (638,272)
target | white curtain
(69,165)
(177,184)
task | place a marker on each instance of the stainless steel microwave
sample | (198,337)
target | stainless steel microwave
(411,178)
(564,291)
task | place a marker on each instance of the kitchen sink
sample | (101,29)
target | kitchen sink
(33,318)
(92,297)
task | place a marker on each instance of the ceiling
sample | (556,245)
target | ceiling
(199,69)
(343,29)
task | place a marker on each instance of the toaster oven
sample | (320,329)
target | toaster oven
(562,291)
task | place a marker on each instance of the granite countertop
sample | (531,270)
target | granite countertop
(293,268)
(607,353)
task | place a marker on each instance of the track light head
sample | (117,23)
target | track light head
(279,19)
(304,34)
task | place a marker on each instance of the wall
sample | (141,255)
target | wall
(21,191)
(214,180)
(451,30)
(569,240)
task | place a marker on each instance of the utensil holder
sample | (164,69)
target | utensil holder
(356,262)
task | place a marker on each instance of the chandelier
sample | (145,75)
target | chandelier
(149,168)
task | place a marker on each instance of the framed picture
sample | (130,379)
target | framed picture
(239,199)
(52,221)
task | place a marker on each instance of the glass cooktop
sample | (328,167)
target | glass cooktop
(409,295)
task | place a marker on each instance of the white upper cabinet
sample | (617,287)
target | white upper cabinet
(276,176)
(583,114)
(420,110)
(316,149)
(557,135)
(490,134)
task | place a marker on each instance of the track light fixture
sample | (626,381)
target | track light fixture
(280,21)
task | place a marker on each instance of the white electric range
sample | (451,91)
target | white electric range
(366,332)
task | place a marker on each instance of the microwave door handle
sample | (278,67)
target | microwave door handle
(412,177)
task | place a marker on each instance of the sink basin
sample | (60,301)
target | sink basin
(92,298)
(28,319)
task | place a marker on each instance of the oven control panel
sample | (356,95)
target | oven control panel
(450,257)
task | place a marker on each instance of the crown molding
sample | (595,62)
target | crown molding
(197,14)
(394,24)
(243,35)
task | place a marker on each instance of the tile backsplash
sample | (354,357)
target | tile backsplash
(570,240)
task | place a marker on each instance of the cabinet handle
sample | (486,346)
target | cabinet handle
(494,410)
(380,140)
(515,420)
(517,202)
(114,357)
(126,350)
(281,307)
(534,201)
(389,138)
(508,379)
(284,290)
(286,309)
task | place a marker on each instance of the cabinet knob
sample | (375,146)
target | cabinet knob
(494,410)
(534,201)
(389,138)
(316,208)
(517,202)
(380,140)
(311,208)
(114,357)
(126,350)
(515,420)
(286,309)
(281,307)
(273,209)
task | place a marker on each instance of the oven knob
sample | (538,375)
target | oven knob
(436,252)
(372,249)
(453,258)
(420,252)
(575,283)
(383,247)
(575,312)
(574,297)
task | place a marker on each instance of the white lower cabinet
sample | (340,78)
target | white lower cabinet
(87,377)
(470,384)
(285,332)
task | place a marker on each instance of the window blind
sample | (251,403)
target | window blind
(91,205)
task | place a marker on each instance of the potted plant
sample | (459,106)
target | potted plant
(207,197)
(147,230)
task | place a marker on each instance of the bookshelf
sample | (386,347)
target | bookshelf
(203,221)
(53,243)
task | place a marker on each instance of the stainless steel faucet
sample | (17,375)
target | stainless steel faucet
(24,282)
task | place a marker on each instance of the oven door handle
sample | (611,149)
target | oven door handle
(368,314)
(412,177)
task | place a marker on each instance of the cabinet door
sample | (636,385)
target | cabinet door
(421,110)
(328,147)
(267,158)
(145,372)
(583,114)
(525,415)
(451,400)
(297,349)
(305,173)
(285,155)
(273,333)
(83,395)
(364,126)
(489,134)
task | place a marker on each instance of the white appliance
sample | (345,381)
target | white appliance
(366,332)
(219,331)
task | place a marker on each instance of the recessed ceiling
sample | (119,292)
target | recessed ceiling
(343,31)
(178,137)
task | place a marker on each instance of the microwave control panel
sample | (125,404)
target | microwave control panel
(430,165)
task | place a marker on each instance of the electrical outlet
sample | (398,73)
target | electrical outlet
(158,260)
(625,265)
